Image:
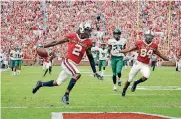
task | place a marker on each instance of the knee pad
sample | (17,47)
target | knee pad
(104,68)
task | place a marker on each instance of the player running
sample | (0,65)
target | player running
(78,44)
(115,45)
(48,63)
(102,59)
(19,60)
(14,60)
(145,49)
(94,51)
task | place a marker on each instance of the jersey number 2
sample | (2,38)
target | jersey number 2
(76,51)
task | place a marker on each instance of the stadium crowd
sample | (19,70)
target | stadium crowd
(23,22)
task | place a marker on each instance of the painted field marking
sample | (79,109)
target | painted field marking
(59,115)
(89,106)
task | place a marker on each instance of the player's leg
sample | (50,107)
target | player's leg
(50,67)
(104,67)
(20,64)
(145,70)
(113,66)
(15,62)
(100,65)
(134,70)
(18,67)
(72,69)
(61,78)
(119,67)
(47,68)
(44,65)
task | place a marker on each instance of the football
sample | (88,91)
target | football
(42,52)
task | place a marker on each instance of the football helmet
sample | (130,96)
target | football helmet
(103,45)
(117,31)
(149,35)
(116,34)
(85,26)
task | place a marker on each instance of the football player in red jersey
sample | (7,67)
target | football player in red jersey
(48,63)
(145,49)
(78,44)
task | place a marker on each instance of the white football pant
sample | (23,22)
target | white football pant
(139,66)
(68,69)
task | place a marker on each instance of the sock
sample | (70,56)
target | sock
(114,79)
(48,83)
(153,68)
(114,86)
(71,85)
(45,72)
(140,81)
(18,71)
(102,74)
(126,85)
(50,70)
(11,68)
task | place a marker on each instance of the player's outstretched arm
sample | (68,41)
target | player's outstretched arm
(56,42)
(128,50)
(91,59)
(161,55)
(92,63)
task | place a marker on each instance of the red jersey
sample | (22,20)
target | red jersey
(77,47)
(145,51)
(49,58)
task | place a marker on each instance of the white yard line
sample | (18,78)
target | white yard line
(89,106)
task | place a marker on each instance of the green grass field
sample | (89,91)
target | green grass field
(161,94)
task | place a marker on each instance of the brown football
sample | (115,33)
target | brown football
(42,52)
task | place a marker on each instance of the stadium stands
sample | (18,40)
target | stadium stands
(22,21)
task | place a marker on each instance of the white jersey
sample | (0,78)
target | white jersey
(15,55)
(103,53)
(94,51)
(20,56)
(117,46)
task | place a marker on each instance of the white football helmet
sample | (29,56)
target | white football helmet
(149,32)
(149,35)
(83,26)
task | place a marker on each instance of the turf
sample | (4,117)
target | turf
(161,94)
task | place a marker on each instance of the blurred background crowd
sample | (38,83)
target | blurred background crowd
(23,23)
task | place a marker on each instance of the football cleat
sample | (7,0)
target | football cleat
(65,99)
(115,89)
(101,78)
(119,83)
(123,93)
(133,88)
(37,87)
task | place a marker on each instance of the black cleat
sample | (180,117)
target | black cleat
(123,93)
(119,83)
(101,78)
(38,85)
(133,88)
(65,99)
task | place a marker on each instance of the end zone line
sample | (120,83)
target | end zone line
(59,115)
